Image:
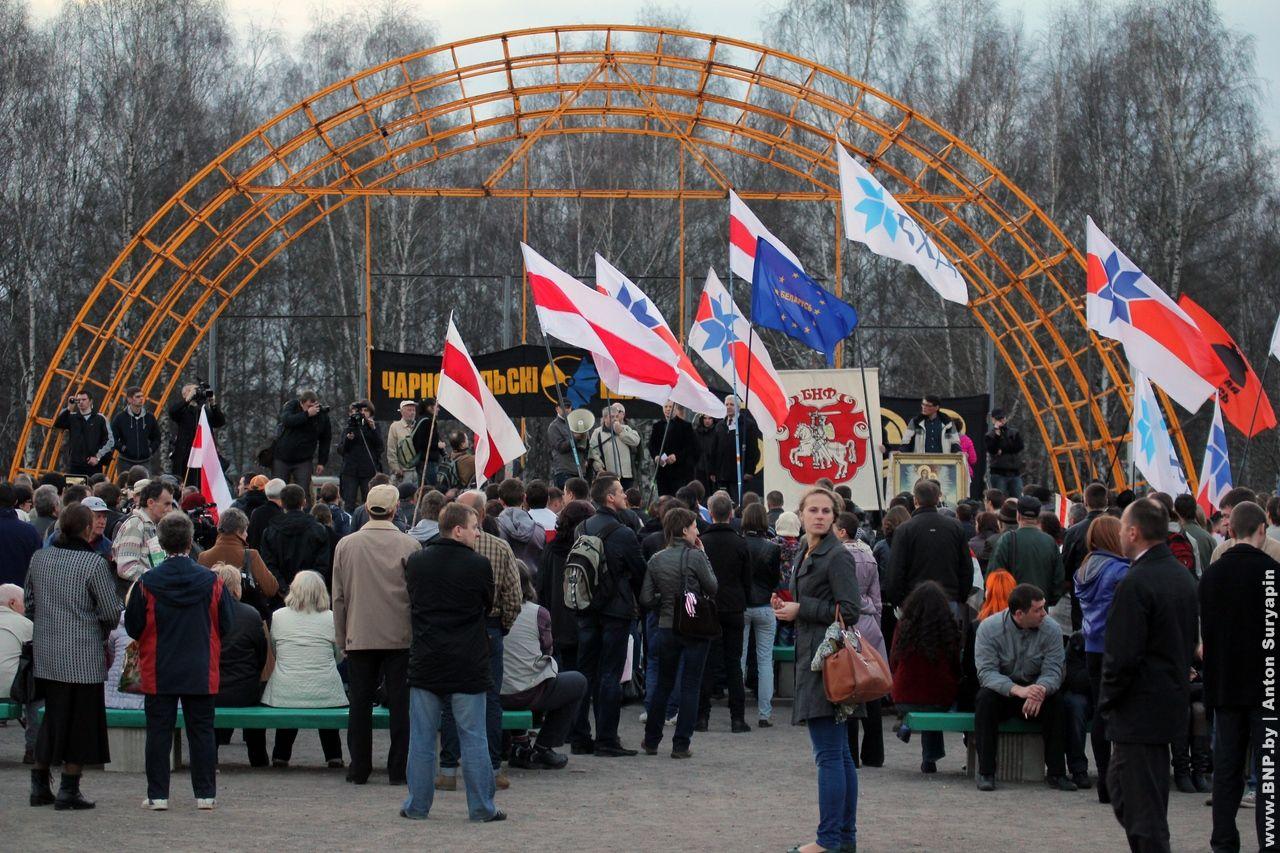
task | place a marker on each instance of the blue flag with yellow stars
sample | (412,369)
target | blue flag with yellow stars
(784,298)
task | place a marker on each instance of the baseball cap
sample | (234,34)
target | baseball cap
(382,500)
(274,487)
(404,403)
(95,503)
(1028,507)
(258,483)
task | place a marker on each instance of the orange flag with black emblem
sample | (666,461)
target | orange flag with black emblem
(1244,402)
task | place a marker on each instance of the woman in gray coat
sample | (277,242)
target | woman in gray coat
(663,591)
(825,576)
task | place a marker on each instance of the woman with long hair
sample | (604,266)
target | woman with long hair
(925,661)
(825,579)
(1095,582)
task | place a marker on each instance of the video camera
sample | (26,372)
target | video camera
(206,530)
(203,392)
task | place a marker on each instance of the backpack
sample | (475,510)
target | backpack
(406,454)
(447,475)
(588,583)
(1183,550)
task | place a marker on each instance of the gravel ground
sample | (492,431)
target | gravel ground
(746,792)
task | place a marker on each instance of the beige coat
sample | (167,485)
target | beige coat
(398,430)
(370,600)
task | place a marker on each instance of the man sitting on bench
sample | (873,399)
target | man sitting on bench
(1019,657)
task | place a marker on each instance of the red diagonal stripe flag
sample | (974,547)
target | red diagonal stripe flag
(463,392)
(1244,403)
(745,228)
(631,359)
(204,455)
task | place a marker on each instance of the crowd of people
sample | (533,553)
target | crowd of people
(1136,629)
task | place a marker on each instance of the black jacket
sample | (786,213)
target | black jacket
(730,559)
(766,569)
(86,436)
(1152,631)
(1073,543)
(244,653)
(1232,627)
(302,436)
(450,594)
(564,624)
(259,519)
(724,465)
(1004,450)
(136,438)
(626,562)
(422,430)
(186,418)
(360,458)
(929,547)
(294,542)
(680,442)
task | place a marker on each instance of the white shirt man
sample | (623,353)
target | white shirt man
(398,431)
(612,443)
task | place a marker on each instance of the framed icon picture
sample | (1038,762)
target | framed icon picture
(949,469)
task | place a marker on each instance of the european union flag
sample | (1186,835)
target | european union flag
(784,298)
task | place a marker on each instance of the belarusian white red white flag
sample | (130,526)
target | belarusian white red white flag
(204,455)
(690,390)
(744,230)
(720,336)
(463,392)
(1062,509)
(631,359)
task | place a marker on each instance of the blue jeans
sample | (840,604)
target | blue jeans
(837,783)
(932,745)
(1010,485)
(425,711)
(765,624)
(652,653)
(685,657)
(602,654)
(492,712)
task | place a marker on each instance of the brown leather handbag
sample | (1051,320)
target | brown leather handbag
(856,673)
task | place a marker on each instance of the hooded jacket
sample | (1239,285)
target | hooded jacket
(425,530)
(525,536)
(137,437)
(1096,581)
(179,612)
(294,542)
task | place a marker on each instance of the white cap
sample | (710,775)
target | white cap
(404,403)
(95,503)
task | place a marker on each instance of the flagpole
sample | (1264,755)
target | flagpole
(426,455)
(662,448)
(873,432)
(737,432)
(1262,384)
(573,441)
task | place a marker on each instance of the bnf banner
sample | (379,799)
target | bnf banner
(828,433)
(519,378)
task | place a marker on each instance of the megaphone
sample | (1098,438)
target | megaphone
(581,421)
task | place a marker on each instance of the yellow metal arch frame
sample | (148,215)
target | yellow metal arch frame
(715,98)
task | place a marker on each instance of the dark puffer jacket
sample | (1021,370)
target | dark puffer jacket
(302,436)
(294,542)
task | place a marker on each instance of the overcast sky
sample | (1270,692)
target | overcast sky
(459,19)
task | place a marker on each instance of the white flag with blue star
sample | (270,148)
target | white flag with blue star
(874,217)
(1215,475)
(1152,446)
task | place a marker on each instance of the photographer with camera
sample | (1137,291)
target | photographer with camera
(302,445)
(185,414)
(136,431)
(89,437)
(361,450)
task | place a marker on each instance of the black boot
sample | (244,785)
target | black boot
(1181,759)
(1201,764)
(69,796)
(41,793)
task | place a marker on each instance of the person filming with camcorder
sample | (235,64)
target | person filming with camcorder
(185,414)
(361,449)
(301,447)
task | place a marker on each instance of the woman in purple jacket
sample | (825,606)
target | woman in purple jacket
(1096,581)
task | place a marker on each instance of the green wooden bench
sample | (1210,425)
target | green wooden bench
(1019,749)
(784,676)
(9,710)
(126,729)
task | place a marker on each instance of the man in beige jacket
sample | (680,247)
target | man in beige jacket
(371,622)
(398,431)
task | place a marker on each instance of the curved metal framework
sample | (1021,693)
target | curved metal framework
(378,132)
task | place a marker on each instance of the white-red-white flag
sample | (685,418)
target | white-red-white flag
(463,392)
(744,230)
(631,359)
(204,455)
(1062,509)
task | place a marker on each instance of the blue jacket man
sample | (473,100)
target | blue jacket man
(18,539)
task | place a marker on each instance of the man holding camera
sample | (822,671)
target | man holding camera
(185,414)
(89,436)
(302,446)
(136,431)
(1004,455)
(361,450)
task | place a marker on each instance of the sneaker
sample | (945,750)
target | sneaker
(446,783)
(521,757)
(156,805)
(644,716)
(206,804)
(495,817)
(671,721)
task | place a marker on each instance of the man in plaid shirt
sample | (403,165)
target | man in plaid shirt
(508,598)
(136,548)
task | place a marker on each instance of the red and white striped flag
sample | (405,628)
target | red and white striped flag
(719,336)
(204,455)
(1062,509)
(744,230)
(632,359)
(465,395)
